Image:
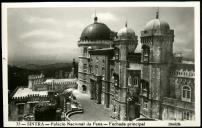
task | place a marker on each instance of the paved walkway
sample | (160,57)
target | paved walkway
(92,110)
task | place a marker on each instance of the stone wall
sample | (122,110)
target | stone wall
(173,109)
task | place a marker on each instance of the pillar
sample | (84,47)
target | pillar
(91,89)
(123,79)
(99,89)
(107,85)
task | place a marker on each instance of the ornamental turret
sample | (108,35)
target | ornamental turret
(157,41)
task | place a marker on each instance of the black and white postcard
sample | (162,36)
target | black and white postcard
(106,64)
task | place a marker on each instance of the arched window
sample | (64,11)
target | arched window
(145,105)
(117,54)
(146,51)
(135,80)
(116,80)
(96,69)
(186,115)
(85,67)
(90,68)
(85,51)
(186,93)
(103,72)
(83,88)
(129,81)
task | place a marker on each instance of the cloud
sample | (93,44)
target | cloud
(43,33)
(105,16)
(74,24)
(50,32)
(35,20)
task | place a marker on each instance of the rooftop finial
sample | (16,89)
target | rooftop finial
(95,18)
(157,13)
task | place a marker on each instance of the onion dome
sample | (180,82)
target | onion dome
(95,31)
(157,25)
(127,36)
(126,33)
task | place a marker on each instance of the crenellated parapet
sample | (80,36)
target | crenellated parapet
(185,73)
(31,98)
(36,76)
(182,70)
(60,84)
(40,87)
(35,79)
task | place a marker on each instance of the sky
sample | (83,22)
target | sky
(50,35)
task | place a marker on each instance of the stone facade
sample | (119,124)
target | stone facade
(136,84)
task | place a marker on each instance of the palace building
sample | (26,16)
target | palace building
(40,89)
(155,83)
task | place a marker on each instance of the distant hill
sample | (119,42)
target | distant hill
(18,75)
(188,59)
(42,67)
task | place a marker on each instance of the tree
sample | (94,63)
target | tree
(45,112)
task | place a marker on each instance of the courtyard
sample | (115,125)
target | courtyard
(92,110)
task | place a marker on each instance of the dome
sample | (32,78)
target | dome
(157,24)
(95,31)
(126,33)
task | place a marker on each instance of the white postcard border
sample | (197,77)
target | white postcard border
(196,6)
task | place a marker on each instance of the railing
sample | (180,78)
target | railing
(72,112)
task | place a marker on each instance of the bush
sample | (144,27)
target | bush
(45,112)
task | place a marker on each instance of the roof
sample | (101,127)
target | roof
(126,33)
(59,80)
(24,92)
(157,24)
(95,31)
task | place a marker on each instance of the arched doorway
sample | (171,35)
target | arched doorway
(133,110)
(84,88)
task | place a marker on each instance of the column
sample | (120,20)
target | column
(107,85)
(99,89)
(123,80)
(91,90)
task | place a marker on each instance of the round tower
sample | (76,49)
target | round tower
(126,43)
(157,41)
(95,36)
(157,56)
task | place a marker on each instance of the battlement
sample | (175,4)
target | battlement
(36,76)
(23,93)
(60,81)
(31,98)
(183,73)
